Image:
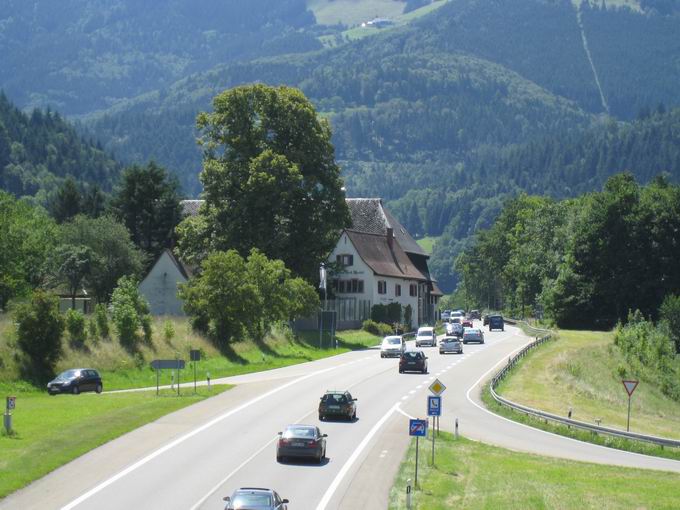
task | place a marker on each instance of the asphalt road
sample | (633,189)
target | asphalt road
(192,458)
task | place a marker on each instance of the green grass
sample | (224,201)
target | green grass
(473,475)
(121,369)
(53,430)
(582,370)
(427,244)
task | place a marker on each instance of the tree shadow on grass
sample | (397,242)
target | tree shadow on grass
(226,349)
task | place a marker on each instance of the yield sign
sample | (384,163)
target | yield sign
(437,387)
(630,386)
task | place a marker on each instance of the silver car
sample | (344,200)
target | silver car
(473,335)
(391,347)
(450,344)
(247,498)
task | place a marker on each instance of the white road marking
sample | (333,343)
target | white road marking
(400,410)
(411,392)
(383,453)
(404,397)
(187,436)
(352,459)
(240,466)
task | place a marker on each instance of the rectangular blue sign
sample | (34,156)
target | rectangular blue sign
(417,428)
(434,406)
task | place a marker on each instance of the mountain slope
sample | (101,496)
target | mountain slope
(38,151)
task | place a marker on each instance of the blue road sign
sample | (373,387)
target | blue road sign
(417,428)
(434,405)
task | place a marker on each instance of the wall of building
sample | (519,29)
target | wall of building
(160,288)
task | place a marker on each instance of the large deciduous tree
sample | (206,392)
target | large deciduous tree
(270,177)
(148,204)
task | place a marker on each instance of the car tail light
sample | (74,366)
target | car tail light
(311,444)
(283,442)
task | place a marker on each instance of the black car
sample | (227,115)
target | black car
(413,361)
(304,441)
(474,315)
(255,498)
(338,403)
(76,381)
(496,322)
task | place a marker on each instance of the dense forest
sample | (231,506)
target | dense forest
(587,261)
(39,151)
(90,54)
(445,118)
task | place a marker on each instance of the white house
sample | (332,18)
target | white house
(378,262)
(159,287)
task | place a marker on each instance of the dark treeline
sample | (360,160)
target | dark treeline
(587,261)
(38,152)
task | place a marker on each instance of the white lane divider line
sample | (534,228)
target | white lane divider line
(240,466)
(411,392)
(189,435)
(353,458)
(404,397)
(401,411)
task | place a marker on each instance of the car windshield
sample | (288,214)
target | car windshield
(299,432)
(425,333)
(65,376)
(243,501)
(394,341)
(334,398)
(412,355)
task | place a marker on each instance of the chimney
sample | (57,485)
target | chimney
(390,237)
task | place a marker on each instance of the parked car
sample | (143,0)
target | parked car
(474,315)
(496,322)
(391,346)
(473,335)
(255,498)
(305,441)
(467,324)
(338,403)
(450,344)
(413,361)
(76,381)
(426,336)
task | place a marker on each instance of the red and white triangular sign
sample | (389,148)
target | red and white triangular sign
(630,386)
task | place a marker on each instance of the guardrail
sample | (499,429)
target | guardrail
(597,429)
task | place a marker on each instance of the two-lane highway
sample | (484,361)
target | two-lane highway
(192,458)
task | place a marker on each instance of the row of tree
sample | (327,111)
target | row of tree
(585,262)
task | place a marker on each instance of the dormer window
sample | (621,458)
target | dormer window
(344,260)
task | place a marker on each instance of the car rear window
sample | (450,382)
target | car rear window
(252,500)
(334,398)
(299,432)
(394,341)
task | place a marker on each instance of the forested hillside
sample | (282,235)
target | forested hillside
(38,151)
(82,55)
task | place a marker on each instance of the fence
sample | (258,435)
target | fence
(597,429)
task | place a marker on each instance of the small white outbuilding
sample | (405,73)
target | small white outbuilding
(159,287)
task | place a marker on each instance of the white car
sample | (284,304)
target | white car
(454,329)
(426,336)
(391,346)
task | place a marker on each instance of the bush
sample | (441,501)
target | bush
(168,331)
(387,314)
(102,319)
(130,311)
(92,330)
(376,328)
(39,330)
(75,325)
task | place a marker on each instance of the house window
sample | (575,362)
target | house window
(382,287)
(353,286)
(397,290)
(413,290)
(344,260)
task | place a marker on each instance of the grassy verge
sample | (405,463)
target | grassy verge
(583,370)
(51,431)
(122,369)
(469,474)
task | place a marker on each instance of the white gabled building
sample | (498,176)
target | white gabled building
(378,262)
(159,287)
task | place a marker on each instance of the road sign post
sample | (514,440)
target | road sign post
(417,428)
(10,405)
(434,409)
(195,357)
(630,388)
